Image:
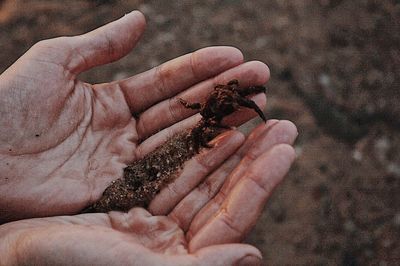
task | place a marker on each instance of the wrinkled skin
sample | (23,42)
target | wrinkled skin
(62,141)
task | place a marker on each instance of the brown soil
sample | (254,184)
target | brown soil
(335,73)
(144,178)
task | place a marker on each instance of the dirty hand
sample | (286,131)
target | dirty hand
(62,141)
(203,228)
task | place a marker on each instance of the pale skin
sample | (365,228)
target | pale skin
(62,141)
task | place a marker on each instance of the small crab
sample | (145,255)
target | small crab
(223,101)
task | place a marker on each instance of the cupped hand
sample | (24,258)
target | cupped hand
(202,227)
(134,238)
(62,141)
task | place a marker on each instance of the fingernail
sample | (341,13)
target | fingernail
(249,260)
(222,138)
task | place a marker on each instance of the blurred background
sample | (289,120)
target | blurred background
(335,72)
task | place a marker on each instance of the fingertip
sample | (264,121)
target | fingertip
(225,52)
(105,44)
(228,137)
(252,73)
(290,127)
(263,72)
(234,53)
(138,16)
(283,131)
(137,21)
(210,61)
(228,254)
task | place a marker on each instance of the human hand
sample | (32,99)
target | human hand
(133,238)
(191,233)
(62,141)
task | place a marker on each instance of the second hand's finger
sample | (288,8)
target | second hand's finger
(195,170)
(245,202)
(187,208)
(262,139)
(284,132)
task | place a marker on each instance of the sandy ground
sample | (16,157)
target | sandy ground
(335,68)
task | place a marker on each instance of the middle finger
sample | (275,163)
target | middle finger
(171,111)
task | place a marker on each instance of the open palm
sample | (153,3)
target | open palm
(62,141)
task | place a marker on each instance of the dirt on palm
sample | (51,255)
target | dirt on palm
(144,178)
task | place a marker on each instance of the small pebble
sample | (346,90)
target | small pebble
(298,150)
(357,156)
(324,80)
(393,168)
(349,226)
(382,146)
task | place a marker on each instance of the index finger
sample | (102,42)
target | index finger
(168,79)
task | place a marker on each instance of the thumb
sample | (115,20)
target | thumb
(229,254)
(105,44)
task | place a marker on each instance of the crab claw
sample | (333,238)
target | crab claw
(252,105)
(252,90)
